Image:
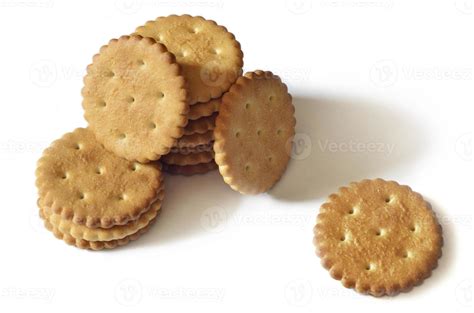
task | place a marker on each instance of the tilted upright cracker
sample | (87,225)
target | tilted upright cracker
(254,129)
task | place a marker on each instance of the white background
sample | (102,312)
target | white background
(397,75)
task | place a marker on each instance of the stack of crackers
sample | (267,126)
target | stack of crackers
(170,96)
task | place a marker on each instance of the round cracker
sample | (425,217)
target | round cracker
(188,159)
(254,130)
(193,150)
(194,140)
(209,55)
(106,234)
(93,245)
(204,109)
(378,237)
(201,125)
(189,170)
(83,182)
(135,98)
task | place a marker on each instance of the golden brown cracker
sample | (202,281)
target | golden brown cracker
(189,170)
(192,150)
(81,181)
(194,140)
(201,125)
(188,159)
(135,98)
(106,234)
(94,245)
(253,130)
(378,237)
(203,109)
(209,55)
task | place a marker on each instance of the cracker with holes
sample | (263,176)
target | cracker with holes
(209,55)
(93,245)
(82,232)
(82,182)
(190,170)
(378,237)
(135,98)
(253,133)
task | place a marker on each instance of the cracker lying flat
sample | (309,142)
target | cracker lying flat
(94,245)
(194,140)
(81,181)
(189,170)
(201,125)
(135,98)
(188,159)
(190,150)
(105,234)
(378,237)
(203,109)
(253,132)
(209,55)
